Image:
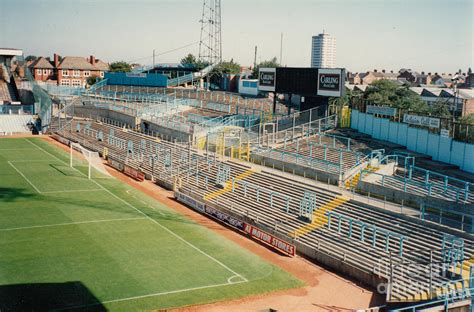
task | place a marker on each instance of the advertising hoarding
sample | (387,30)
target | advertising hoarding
(331,82)
(267,79)
(421,121)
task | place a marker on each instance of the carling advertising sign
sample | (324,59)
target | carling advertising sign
(330,82)
(267,79)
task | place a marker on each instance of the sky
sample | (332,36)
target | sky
(425,35)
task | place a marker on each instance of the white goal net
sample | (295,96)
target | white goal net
(87,162)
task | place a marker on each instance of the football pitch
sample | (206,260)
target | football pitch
(70,243)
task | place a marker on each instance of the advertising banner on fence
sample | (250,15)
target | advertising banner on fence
(61,139)
(267,79)
(381,110)
(271,240)
(134,173)
(331,82)
(444,133)
(191,202)
(115,164)
(421,121)
(224,217)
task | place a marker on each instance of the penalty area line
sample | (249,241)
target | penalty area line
(70,223)
(24,177)
(155,294)
(149,218)
(73,191)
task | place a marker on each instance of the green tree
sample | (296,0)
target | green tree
(30,58)
(468,119)
(190,59)
(227,67)
(465,130)
(388,93)
(120,66)
(93,80)
(440,109)
(272,63)
(224,68)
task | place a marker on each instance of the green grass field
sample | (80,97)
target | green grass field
(70,243)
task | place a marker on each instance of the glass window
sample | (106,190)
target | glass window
(76,82)
(76,73)
(66,73)
(64,82)
(87,73)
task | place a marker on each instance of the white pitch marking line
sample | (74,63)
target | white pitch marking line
(152,220)
(72,191)
(24,177)
(69,223)
(16,149)
(37,160)
(154,295)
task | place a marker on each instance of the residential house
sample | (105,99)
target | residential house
(74,71)
(371,76)
(353,78)
(70,71)
(423,79)
(43,70)
(443,80)
(408,75)
(468,82)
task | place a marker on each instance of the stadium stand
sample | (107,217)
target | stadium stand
(364,241)
(15,124)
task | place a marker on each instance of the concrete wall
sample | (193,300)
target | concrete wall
(411,199)
(96,113)
(416,139)
(310,173)
(167,133)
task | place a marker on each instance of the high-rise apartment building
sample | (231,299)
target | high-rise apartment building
(323,51)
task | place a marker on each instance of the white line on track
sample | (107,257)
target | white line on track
(24,177)
(152,220)
(70,223)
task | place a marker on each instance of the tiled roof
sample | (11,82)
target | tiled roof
(77,62)
(101,65)
(42,63)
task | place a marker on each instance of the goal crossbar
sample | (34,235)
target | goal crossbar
(92,159)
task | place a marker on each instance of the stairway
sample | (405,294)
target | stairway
(319,216)
(352,182)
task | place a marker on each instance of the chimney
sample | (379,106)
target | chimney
(92,60)
(383,71)
(56,60)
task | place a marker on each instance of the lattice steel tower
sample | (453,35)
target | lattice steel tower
(210,44)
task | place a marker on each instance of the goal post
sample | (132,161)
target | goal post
(82,158)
